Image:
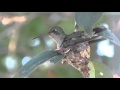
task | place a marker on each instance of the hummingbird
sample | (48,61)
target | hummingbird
(75,46)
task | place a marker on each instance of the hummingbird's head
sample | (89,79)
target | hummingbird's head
(56,30)
(57,34)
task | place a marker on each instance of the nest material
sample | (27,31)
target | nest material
(78,57)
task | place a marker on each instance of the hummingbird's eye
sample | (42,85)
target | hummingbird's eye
(55,32)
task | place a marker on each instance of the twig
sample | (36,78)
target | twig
(18,26)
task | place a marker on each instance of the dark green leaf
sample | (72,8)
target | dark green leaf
(56,59)
(101,70)
(108,34)
(104,31)
(86,20)
(35,61)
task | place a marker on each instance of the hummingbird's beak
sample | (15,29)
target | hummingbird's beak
(41,35)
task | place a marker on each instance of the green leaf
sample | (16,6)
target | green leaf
(66,71)
(100,70)
(37,60)
(86,20)
(104,31)
(56,71)
(108,34)
(16,75)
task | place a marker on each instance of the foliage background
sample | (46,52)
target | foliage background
(17,47)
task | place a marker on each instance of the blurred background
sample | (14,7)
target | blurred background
(17,29)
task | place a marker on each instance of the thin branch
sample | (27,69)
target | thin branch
(18,26)
(22,51)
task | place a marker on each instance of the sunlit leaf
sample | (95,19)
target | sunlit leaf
(86,20)
(35,61)
(101,70)
(92,70)
(16,75)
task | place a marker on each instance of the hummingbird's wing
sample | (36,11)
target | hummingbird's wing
(91,41)
(75,38)
(80,37)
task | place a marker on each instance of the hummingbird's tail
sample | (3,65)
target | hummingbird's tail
(96,38)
